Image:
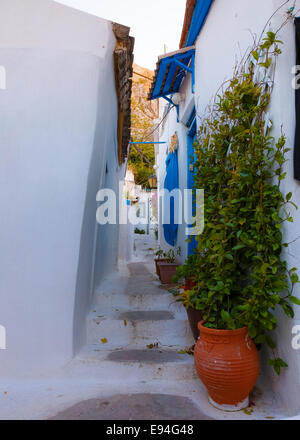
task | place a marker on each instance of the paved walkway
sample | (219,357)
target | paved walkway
(135,332)
(131,367)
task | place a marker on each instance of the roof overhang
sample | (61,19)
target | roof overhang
(170,71)
(123,62)
(189,11)
(195,15)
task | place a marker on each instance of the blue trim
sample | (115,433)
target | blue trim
(193,73)
(183,66)
(175,105)
(191,118)
(191,137)
(200,14)
(169,106)
(167,70)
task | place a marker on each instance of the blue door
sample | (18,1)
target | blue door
(171,183)
(191,137)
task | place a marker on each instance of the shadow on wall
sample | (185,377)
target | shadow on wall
(107,244)
(97,248)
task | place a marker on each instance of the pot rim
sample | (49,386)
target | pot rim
(165,263)
(217,332)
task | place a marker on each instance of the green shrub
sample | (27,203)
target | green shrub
(241,276)
(139,231)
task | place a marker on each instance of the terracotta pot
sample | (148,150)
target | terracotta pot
(167,271)
(189,284)
(157,260)
(194,316)
(228,365)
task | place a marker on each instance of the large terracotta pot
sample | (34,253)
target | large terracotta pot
(167,271)
(228,365)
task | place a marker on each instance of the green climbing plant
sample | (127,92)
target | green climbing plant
(241,276)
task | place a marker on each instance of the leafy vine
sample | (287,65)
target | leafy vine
(241,277)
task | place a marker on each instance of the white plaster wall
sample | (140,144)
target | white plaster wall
(224,38)
(283,113)
(57,133)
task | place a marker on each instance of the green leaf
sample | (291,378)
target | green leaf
(270,342)
(260,339)
(294,300)
(252,332)
(277,364)
(225,316)
(271,36)
(238,247)
(288,309)
(282,176)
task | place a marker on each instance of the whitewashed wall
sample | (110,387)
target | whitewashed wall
(58,120)
(224,38)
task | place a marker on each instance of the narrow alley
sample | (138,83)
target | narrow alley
(150,185)
(132,367)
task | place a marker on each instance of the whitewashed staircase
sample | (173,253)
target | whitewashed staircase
(136,330)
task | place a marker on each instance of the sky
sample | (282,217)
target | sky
(153,23)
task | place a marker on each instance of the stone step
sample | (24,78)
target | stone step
(143,300)
(122,331)
(173,311)
(135,365)
(140,269)
(136,406)
(149,315)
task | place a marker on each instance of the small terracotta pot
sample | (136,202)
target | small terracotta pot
(157,260)
(167,271)
(228,365)
(194,316)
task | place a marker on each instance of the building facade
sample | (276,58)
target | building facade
(216,34)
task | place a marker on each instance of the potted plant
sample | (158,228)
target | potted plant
(241,275)
(187,296)
(167,268)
